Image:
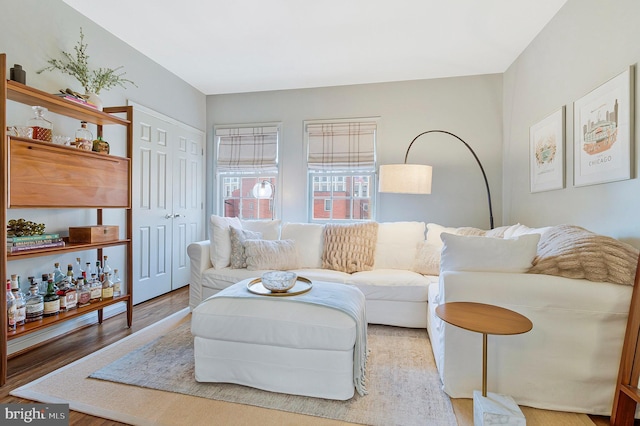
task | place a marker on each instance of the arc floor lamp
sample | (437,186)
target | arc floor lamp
(416,178)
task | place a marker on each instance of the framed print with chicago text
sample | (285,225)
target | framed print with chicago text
(603,123)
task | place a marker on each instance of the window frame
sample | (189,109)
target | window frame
(221,197)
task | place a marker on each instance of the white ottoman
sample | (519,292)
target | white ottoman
(279,344)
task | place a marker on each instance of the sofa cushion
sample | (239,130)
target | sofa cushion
(319,274)
(396,245)
(309,242)
(392,284)
(219,234)
(238,237)
(464,253)
(267,254)
(218,279)
(270,229)
(349,248)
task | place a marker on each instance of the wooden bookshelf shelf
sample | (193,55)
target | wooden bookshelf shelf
(33,170)
(30,327)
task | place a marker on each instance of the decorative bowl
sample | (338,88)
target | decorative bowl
(278,281)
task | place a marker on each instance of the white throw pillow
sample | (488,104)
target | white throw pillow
(309,242)
(519,229)
(397,244)
(270,229)
(271,254)
(434,230)
(220,250)
(462,253)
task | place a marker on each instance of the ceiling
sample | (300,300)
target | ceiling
(222,46)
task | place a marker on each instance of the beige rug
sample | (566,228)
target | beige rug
(402,381)
(143,406)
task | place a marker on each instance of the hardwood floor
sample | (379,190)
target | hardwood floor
(57,353)
(64,350)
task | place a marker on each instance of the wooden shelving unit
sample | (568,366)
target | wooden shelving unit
(109,186)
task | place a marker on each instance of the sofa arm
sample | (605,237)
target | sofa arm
(568,361)
(200,261)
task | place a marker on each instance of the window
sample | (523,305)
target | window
(341,164)
(246,158)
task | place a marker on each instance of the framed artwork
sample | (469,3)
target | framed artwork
(603,122)
(546,152)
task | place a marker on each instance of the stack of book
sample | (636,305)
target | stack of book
(33,242)
(76,99)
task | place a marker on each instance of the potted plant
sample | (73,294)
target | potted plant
(92,80)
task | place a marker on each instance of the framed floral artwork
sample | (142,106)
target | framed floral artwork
(546,152)
(603,122)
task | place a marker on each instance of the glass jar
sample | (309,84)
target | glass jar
(42,128)
(84,138)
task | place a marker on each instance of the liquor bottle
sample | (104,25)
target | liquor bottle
(21,312)
(101,146)
(106,268)
(35,304)
(11,308)
(84,138)
(98,271)
(107,287)
(117,284)
(71,293)
(42,128)
(58,276)
(78,272)
(51,300)
(96,289)
(43,284)
(88,271)
(84,292)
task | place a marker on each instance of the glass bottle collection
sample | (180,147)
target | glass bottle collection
(61,292)
(42,129)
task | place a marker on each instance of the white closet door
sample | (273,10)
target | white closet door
(188,203)
(168,182)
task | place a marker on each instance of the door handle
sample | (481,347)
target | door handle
(172,216)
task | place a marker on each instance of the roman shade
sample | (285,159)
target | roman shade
(247,149)
(348,146)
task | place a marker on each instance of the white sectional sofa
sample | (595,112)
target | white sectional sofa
(568,362)
(395,294)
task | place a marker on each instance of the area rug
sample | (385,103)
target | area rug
(157,366)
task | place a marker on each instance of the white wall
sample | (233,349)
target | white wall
(31,32)
(587,43)
(470,107)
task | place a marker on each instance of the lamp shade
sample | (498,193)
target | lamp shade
(405,178)
(262,189)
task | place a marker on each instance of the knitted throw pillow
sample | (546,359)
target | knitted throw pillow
(574,252)
(349,248)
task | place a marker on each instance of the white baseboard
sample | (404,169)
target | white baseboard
(20,343)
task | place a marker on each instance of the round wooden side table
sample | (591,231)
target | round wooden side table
(485,319)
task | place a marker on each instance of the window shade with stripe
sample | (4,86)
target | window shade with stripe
(249,149)
(341,146)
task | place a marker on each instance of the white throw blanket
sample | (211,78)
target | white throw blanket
(343,297)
